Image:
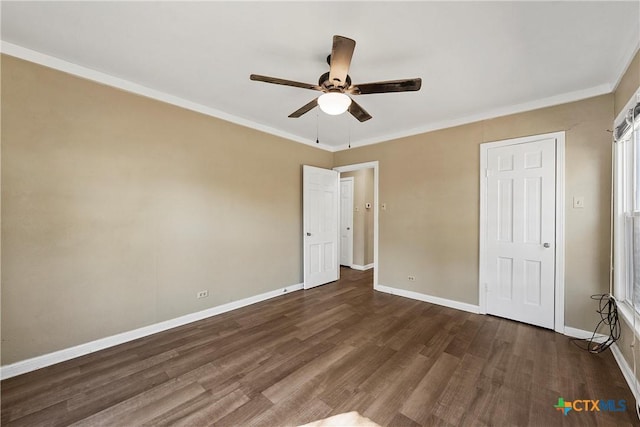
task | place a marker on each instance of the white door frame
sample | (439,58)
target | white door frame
(375,166)
(560,206)
(353,186)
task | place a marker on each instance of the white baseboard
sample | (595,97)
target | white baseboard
(428,298)
(49,359)
(627,371)
(583,335)
(361,267)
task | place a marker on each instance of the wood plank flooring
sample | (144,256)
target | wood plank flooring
(312,354)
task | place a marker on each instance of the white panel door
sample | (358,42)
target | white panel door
(320,225)
(346,221)
(520,245)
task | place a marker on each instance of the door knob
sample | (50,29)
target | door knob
(308,234)
(348,228)
(546,245)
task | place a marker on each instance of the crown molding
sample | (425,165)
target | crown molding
(487,115)
(135,88)
(138,89)
(625,62)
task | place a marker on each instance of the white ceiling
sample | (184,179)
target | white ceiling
(476,59)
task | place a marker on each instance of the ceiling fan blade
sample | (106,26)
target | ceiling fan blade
(358,112)
(384,87)
(304,109)
(341,54)
(283,82)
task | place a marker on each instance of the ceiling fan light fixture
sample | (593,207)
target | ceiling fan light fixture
(334,103)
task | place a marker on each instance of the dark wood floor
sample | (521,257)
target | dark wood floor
(311,354)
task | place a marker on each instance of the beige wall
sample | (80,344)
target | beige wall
(117,209)
(430,183)
(362,217)
(368,216)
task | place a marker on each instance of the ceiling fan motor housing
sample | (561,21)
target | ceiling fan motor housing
(327,84)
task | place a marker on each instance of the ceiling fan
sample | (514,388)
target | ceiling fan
(336,84)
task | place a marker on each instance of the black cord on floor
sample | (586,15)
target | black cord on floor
(608,326)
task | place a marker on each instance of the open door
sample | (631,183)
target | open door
(320,225)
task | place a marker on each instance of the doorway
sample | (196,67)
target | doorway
(346,221)
(321,249)
(522,230)
(356,219)
(365,215)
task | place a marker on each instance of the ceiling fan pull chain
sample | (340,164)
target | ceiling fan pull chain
(317,140)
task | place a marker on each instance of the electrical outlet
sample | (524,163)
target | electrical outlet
(202,294)
(412,278)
